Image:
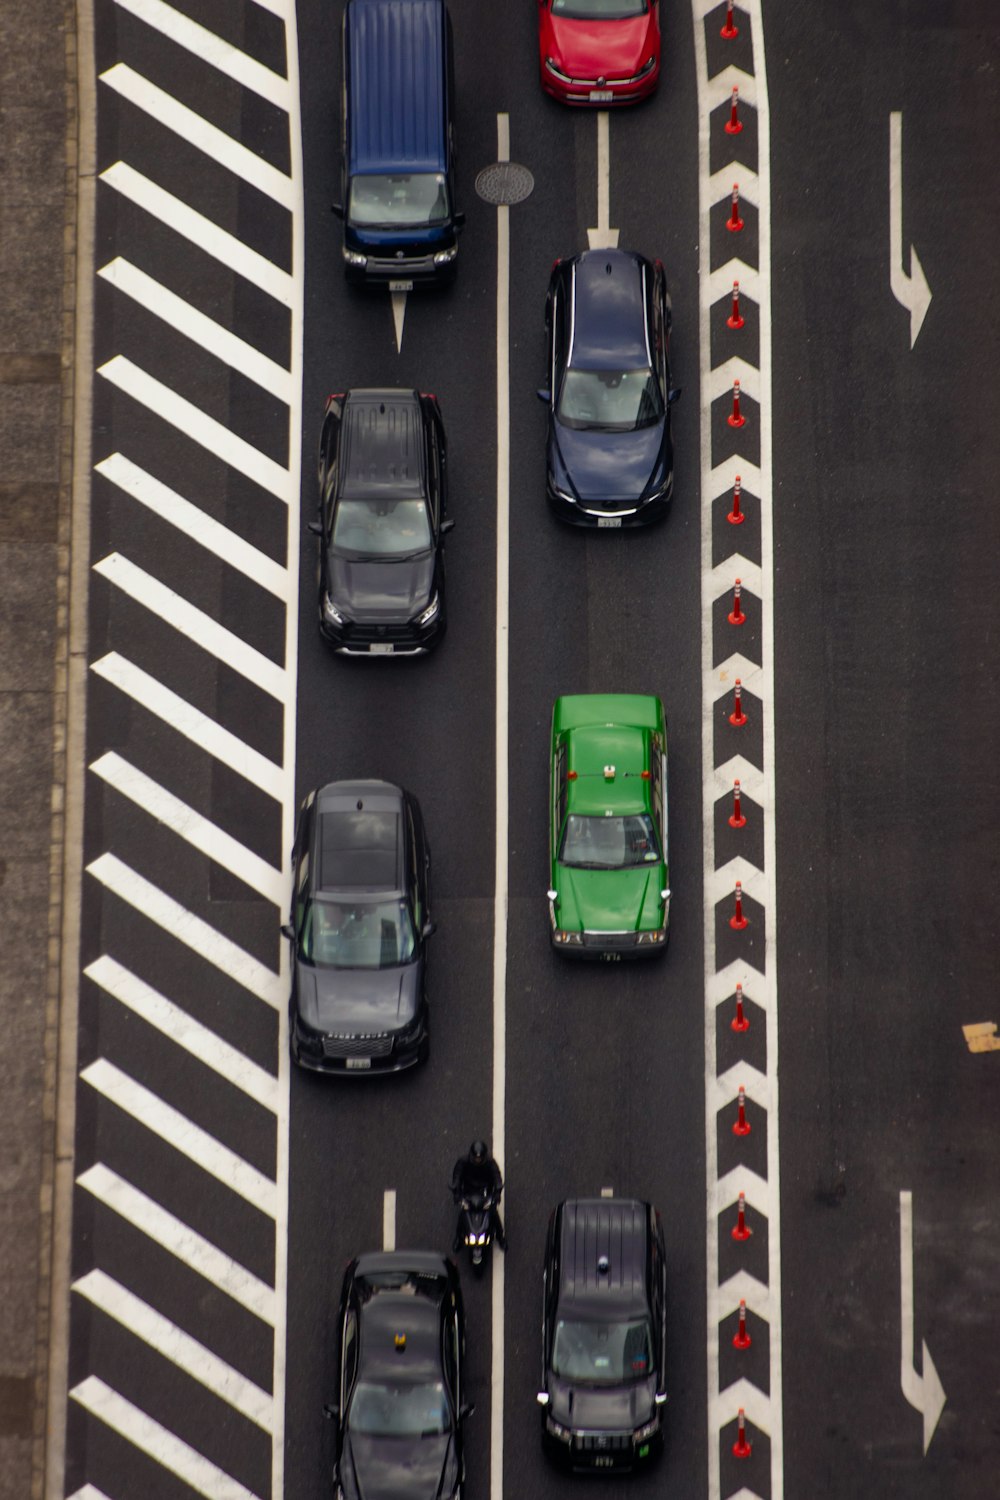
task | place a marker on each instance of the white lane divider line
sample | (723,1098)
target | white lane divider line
(196,424)
(603,237)
(180,1240)
(200,231)
(89,1492)
(501,792)
(398,303)
(139,1429)
(195,523)
(194,623)
(196,326)
(212,49)
(198,132)
(191,722)
(198,831)
(200,936)
(607,1192)
(175,1344)
(173,1022)
(389,1219)
(182,1134)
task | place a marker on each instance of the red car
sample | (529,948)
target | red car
(600,52)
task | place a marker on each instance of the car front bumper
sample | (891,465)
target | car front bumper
(592,515)
(602,1452)
(579,92)
(352,1058)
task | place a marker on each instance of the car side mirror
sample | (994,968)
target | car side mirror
(458,219)
(552,895)
(675,394)
(428,929)
(316,527)
(330,1411)
(338,209)
(543,1398)
(466,1411)
(288,931)
(446,526)
(665,894)
(543,393)
(660,1398)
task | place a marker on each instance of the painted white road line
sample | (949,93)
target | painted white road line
(89,1492)
(194,325)
(720,184)
(389,1219)
(199,133)
(720,281)
(197,425)
(179,1347)
(191,826)
(910,290)
(179,1240)
(501,792)
(719,380)
(744,1288)
(191,722)
(173,1022)
(194,623)
(603,237)
(219,54)
(189,929)
(203,232)
(196,524)
(178,1131)
(398,302)
(924,1392)
(139,1429)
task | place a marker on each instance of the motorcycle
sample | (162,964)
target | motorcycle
(476,1225)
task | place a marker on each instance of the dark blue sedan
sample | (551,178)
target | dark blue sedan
(610,454)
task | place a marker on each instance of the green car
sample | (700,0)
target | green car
(610,894)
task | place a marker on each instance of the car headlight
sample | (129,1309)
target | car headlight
(556,72)
(561,936)
(656,936)
(645,70)
(330,611)
(431,612)
(646,1431)
(560,492)
(563,1434)
(445,257)
(354,257)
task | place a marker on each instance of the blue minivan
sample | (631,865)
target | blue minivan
(398,173)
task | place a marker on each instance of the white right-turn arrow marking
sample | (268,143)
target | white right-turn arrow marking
(911,290)
(924,1392)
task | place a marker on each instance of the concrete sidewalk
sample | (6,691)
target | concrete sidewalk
(38,197)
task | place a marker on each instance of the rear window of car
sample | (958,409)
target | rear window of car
(359,849)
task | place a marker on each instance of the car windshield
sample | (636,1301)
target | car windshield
(381,528)
(615,400)
(609,843)
(410,198)
(399,1409)
(602,1353)
(357,935)
(598,10)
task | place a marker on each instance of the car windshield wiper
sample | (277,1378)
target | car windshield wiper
(379,557)
(589,865)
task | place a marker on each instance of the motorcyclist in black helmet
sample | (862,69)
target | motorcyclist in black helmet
(477,1175)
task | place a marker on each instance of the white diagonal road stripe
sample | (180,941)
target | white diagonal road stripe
(179,1347)
(195,523)
(181,1133)
(159,1444)
(196,934)
(198,831)
(197,425)
(193,622)
(196,326)
(199,133)
(173,1022)
(211,49)
(180,1240)
(203,232)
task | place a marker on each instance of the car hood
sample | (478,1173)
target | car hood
(584,48)
(388,592)
(609,900)
(398,1468)
(597,1409)
(608,465)
(359,1001)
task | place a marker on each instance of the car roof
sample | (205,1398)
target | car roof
(595,1227)
(609,317)
(401,1294)
(359,837)
(382,445)
(397,95)
(607,729)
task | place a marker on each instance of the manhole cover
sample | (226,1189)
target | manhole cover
(504,182)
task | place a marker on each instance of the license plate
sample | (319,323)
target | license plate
(359,1062)
(611,958)
(401,286)
(601,1462)
(381,648)
(609,521)
(601,96)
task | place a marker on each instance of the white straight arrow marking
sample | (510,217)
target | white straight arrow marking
(924,1392)
(398,300)
(603,237)
(910,290)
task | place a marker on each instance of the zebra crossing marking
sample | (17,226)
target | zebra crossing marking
(212,49)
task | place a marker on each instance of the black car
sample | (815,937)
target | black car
(399,1409)
(383,497)
(359,928)
(610,454)
(604,1334)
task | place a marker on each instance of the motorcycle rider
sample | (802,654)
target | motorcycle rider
(478,1176)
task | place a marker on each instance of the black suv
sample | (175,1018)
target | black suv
(604,1334)
(360,923)
(383,498)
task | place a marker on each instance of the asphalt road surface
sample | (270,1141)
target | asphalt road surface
(886,721)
